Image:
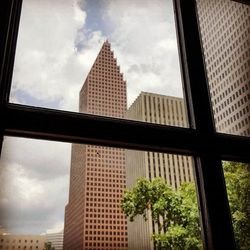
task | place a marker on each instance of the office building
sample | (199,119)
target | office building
(225,32)
(56,239)
(175,169)
(93,217)
(3,230)
(15,241)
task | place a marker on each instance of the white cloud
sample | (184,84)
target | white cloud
(55,51)
(42,159)
(57,227)
(145,44)
(34,178)
(19,185)
(47,66)
(50,66)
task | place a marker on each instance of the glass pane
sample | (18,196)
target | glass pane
(34,177)
(225,32)
(164,184)
(237,176)
(113,54)
(82,203)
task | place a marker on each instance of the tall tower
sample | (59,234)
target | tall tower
(93,217)
(225,33)
(175,169)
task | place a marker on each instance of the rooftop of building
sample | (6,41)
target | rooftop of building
(142,93)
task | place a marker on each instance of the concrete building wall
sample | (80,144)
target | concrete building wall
(11,241)
(138,230)
(225,31)
(93,218)
(175,169)
(74,211)
(56,240)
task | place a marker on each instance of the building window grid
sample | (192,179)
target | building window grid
(17,13)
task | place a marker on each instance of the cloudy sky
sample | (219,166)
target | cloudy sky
(34,179)
(57,44)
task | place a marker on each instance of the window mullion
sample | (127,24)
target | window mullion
(9,21)
(56,125)
(216,218)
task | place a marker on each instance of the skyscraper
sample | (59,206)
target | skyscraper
(93,217)
(225,32)
(175,169)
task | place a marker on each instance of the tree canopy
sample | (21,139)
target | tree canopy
(176,211)
(237,176)
(48,246)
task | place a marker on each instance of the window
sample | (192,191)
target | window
(201,141)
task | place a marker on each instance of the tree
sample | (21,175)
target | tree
(48,246)
(237,178)
(175,213)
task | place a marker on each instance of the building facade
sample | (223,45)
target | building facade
(175,169)
(56,239)
(14,241)
(93,217)
(225,32)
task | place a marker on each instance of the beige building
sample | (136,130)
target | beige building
(27,242)
(225,30)
(56,239)
(175,169)
(3,230)
(93,216)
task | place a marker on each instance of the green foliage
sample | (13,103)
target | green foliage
(175,213)
(237,178)
(48,246)
(177,237)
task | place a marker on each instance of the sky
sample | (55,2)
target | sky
(57,44)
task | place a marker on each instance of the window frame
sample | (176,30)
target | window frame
(201,140)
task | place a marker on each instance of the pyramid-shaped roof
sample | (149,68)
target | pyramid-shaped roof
(104,90)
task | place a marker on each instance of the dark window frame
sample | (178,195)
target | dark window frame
(207,146)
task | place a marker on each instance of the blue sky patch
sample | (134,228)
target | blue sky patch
(25,98)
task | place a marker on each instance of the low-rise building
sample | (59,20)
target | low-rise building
(15,241)
(56,239)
